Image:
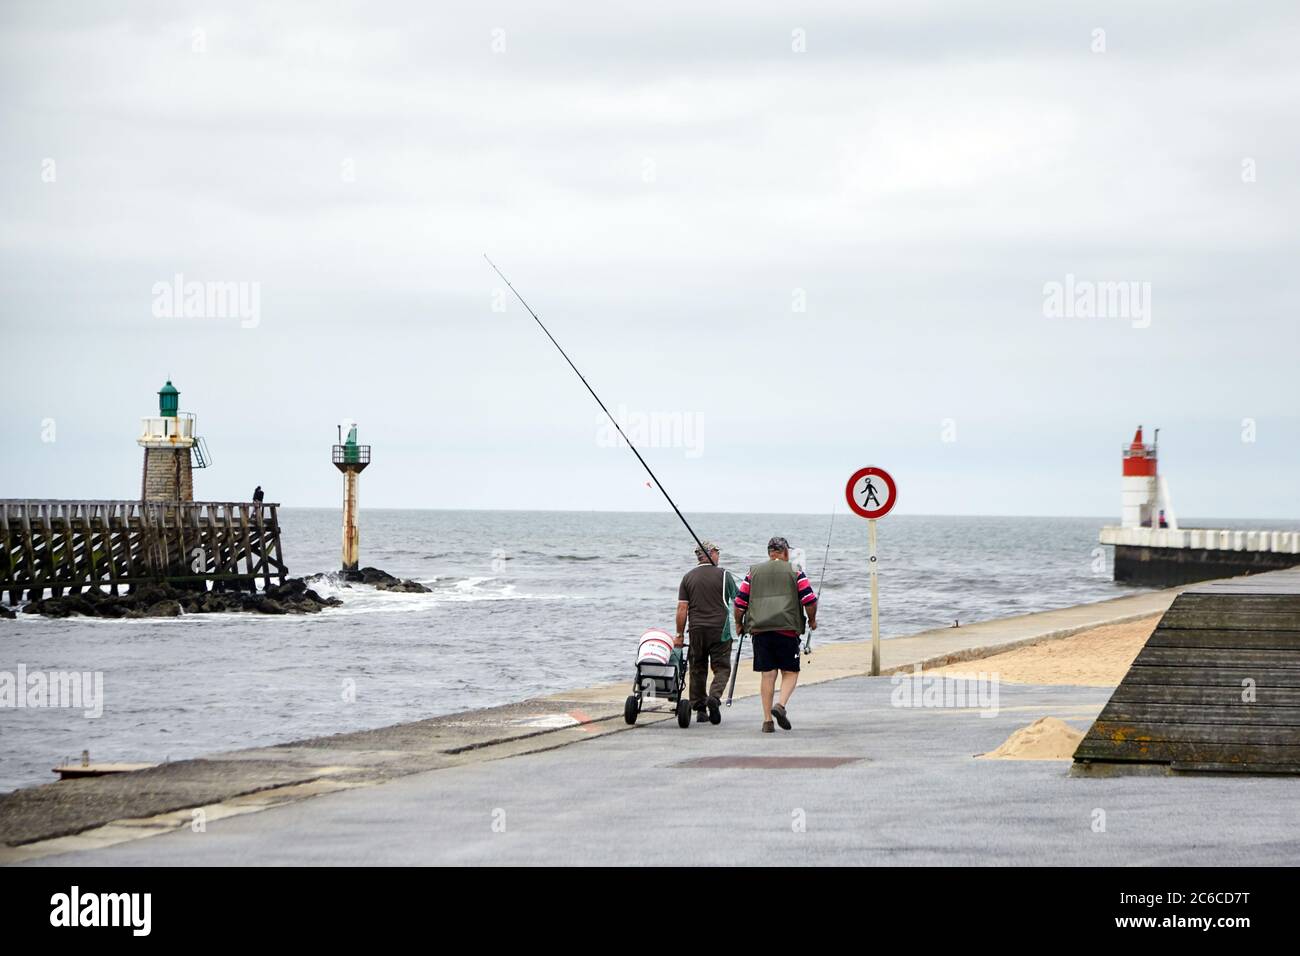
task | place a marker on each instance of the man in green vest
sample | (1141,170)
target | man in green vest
(704,598)
(772,604)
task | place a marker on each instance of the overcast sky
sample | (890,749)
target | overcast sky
(799,238)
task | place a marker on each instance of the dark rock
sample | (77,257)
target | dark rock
(76,604)
(408,586)
(288,591)
(49,607)
(375,576)
(147,594)
(160,599)
(383,581)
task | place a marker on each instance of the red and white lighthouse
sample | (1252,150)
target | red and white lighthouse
(1144,496)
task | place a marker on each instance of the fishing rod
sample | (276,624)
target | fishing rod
(731,686)
(655,478)
(807,644)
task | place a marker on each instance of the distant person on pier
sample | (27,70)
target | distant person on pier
(257,495)
(772,605)
(704,599)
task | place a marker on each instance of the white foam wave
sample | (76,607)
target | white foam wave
(361,598)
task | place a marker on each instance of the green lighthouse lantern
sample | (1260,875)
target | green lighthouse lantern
(169,400)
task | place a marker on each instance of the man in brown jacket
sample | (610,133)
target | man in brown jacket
(704,599)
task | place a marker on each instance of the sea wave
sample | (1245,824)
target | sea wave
(358,597)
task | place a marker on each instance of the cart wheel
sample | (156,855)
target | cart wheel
(683,713)
(630,709)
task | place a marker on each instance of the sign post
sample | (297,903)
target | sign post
(871,493)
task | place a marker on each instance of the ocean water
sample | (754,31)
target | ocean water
(523,603)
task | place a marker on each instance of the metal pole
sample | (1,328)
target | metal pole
(351,537)
(875,598)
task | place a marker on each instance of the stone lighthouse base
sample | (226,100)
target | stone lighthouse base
(168,474)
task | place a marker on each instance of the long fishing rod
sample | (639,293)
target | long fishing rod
(807,644)
(699,544)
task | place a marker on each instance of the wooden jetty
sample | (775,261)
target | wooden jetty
(1215,688)
(70,546)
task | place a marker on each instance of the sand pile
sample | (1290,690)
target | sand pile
(1048,738)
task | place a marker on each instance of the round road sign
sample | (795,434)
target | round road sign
(871,492)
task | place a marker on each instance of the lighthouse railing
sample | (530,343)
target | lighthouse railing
(163,428)
(351,455)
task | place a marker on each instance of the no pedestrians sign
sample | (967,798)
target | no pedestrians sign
(871,492)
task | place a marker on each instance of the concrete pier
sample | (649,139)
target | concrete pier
(1166,557)
(893,786)
(89,814)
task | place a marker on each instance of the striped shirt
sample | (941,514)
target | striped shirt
(806,596)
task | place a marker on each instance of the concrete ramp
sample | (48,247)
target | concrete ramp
(1216,688)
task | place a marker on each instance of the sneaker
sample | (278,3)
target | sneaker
(701,715)
(768,728)
(779,713)
(715,710)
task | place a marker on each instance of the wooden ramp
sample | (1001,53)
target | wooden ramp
(1216,688)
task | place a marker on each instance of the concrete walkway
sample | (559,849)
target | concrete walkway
(895,785)
(88,814)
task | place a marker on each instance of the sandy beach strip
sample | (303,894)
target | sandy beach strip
(1099,657)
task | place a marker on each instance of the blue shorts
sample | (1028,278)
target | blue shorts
(776,652)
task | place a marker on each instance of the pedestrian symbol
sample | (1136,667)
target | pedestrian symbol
(869,493)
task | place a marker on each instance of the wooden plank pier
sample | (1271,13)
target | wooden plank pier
(1216,688)
(70,546)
